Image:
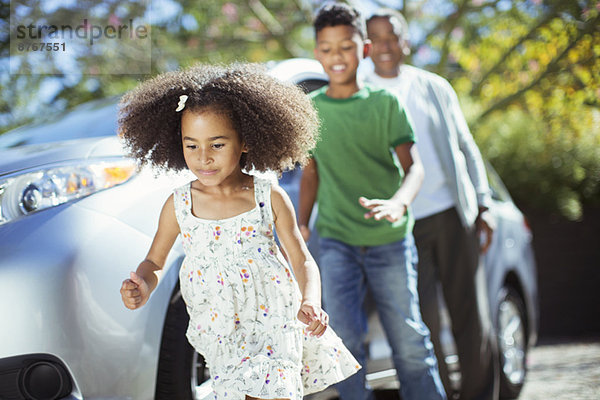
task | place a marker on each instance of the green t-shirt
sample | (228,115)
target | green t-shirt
(355,157)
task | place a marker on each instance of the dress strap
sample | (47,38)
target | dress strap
(182,202)
(262,196)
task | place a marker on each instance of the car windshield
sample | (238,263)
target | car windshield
(93,119)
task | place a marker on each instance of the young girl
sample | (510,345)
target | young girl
(260,328)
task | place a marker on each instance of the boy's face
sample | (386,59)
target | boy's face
(339,49)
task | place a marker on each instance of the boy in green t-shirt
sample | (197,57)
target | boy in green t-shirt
(364,174)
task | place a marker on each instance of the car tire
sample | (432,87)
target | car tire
(179,366)
(512,342)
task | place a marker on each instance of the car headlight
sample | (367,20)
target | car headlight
(34,190)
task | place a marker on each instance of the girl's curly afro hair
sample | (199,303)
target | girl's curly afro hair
(276,120)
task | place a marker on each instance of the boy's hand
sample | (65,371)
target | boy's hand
(134,291)
(313,316)
(305,232)
(380,209)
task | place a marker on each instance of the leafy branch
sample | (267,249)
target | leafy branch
(448,23)
(275,29)
(552,67)
(502,60)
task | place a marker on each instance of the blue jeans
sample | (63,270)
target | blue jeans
(389,273)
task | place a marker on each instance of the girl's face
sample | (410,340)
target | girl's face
(339,49)
(211,146)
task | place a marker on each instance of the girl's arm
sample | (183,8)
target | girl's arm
(394,208)
(309,183)
(136,290)
(304,266)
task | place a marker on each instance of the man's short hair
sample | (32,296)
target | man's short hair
(334,14)
(396,19)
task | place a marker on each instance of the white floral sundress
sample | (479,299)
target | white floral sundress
(243,301)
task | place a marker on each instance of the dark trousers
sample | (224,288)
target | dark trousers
(449,254)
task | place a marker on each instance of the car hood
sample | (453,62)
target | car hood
(34,156)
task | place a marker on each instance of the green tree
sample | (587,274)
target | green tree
(196,31)
(528,73)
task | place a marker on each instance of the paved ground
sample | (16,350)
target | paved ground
(563,370)
(557,370)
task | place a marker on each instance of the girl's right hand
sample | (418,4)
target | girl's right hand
(134,291)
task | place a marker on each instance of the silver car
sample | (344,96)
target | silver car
(76,216)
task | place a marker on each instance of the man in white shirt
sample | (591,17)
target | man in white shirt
(451,209)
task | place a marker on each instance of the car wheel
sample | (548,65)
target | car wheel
(182,373)
(512,342)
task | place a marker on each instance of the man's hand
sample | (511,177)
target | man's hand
(380,209)
(134,291)
(485,225)
(313,315)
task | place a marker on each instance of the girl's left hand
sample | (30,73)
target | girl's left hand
(313,316)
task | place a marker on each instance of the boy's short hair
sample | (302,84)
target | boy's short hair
(396,19)
(334,14)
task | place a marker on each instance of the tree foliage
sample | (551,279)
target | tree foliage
(527,72)
(183,32)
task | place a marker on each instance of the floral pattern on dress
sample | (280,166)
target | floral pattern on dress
(243,299)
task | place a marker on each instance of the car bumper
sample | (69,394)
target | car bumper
(59,299)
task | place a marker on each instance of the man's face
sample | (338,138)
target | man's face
(339,49)
(387,49)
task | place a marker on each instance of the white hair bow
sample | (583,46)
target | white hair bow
(181,105)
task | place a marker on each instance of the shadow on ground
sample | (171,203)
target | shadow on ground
(387,395)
